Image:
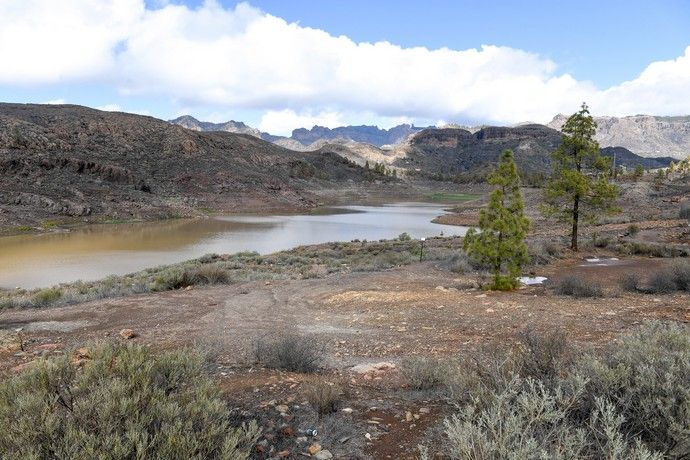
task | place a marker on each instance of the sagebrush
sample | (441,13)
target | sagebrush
(119,402)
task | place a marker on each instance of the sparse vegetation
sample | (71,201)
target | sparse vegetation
(629,401)
(302,262)
(119,402)
(578,287)
(290,352)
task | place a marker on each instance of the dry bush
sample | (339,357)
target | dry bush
(324,397)
(428,373)
(544,355)
(680,272)
(630,282)
(578,287)
(684,212)
(122,402)
(459,262)
(205,274)
(661,282)
(290,352)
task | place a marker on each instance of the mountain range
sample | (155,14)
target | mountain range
(86,164)
(303,139)
(643,135)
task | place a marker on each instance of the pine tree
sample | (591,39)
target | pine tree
(579,187)
(500,243)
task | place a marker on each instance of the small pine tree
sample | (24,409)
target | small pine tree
(579,187)
(500,244)
(639,172)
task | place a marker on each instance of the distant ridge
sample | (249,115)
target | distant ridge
(309,139)
(645,135)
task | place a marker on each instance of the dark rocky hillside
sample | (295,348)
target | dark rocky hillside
(455,151)
(625,157)
(71,161)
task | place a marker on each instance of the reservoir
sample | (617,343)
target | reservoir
(96,251)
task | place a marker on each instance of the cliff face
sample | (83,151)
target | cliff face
(77,162)
(645,135)
(452,151)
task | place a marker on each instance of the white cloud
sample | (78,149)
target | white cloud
(55,102)
(110,108)
(238,59)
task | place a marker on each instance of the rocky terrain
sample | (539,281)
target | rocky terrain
(72,162)
(645,135)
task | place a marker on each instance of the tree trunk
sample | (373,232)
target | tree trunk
(576,217)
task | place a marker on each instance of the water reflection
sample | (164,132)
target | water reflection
(97,251)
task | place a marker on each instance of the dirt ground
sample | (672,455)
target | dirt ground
(361,318)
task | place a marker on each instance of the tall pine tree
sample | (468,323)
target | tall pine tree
(579,188)
(500,243)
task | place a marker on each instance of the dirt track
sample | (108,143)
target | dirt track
(363,316)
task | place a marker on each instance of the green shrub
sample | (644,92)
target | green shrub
(578,287)
(121,402)
(404,236)
(427,373)
(168,280)
(290,352)
(46,297)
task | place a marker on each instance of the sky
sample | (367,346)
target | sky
(279,65)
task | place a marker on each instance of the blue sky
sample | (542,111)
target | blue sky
(279,65)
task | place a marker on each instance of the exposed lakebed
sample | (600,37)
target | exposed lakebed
(97,251)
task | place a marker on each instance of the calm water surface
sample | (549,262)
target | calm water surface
(94,252)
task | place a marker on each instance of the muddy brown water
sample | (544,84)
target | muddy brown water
(94,252)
